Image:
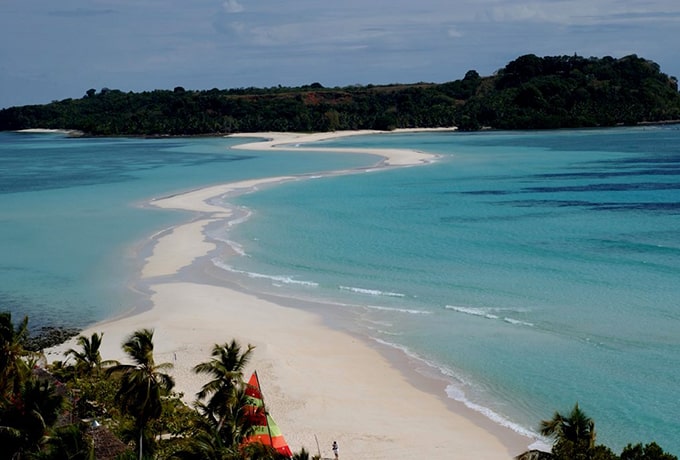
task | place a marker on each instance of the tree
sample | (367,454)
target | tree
(650,451)
(28,417)
(13,368)
(206,443)
(575,440)
(89,359)
(302,455)
(259,451)
(574,434)
(569,450)
(142,384)
(67,442)
(226,368)
(534,454)
(222,404)
(576,427)
(29,405)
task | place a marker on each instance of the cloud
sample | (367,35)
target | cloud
(301,31)
(132,44)
(80,12)
(635,17)
(232,6)
(579,12)
(453,32)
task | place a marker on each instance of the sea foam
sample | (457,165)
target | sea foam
(518,322)
(455,391)
(457,394)
(483,312)
(399,310)
(373,292)
(274,278)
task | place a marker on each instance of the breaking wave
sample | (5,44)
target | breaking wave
(518,322)
(274,278)
(483,312)
(486,313)
(399,310)
(373,292)
(456,392)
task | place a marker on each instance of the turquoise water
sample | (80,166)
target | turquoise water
(72,219)
(531,270)
(534,270)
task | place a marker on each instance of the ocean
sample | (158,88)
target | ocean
(73,218)
(531,270)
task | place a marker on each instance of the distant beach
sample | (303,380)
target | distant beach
(67,132)
(319,383)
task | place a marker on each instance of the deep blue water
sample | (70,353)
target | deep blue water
(531,270)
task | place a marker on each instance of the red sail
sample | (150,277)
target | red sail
(266,430)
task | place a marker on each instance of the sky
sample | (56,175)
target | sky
(52,50)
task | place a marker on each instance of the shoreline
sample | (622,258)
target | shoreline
(391,157)
(65,132)
(318,381)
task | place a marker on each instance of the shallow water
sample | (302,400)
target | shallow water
(532,270)
(73,221)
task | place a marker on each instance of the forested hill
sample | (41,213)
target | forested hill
(530,92)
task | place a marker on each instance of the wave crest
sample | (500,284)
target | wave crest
(274,278)
(483,312)
(455,391)
(399,310)
(373,292)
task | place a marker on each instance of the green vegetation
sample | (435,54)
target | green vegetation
(88,360)
(529,93)
(129,411)
(104,409)
(224,390)
(574,436)
(143,385)
(571,91)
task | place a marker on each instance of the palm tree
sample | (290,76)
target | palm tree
(206,443)
(143,384)
(89,359)
(534,454)
(29,405)
(226,368)
(235,422)
(67,442)
(13,368)
(302,455)
(576,428)
(33,411)
(224,421)
(651,451)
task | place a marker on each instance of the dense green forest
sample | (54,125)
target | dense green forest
(86,408)
(530,92)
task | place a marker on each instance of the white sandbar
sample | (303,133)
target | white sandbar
(318,383)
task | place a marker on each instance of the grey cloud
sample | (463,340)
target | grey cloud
(232,6)
(80,12)
(136,44)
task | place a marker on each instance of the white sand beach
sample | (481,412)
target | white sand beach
(392,157)
(67,132)
(318,383)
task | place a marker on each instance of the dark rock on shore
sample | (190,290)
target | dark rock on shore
(49,336)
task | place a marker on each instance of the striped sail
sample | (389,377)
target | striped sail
(266,430)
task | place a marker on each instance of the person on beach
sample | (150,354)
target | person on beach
(335,449)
